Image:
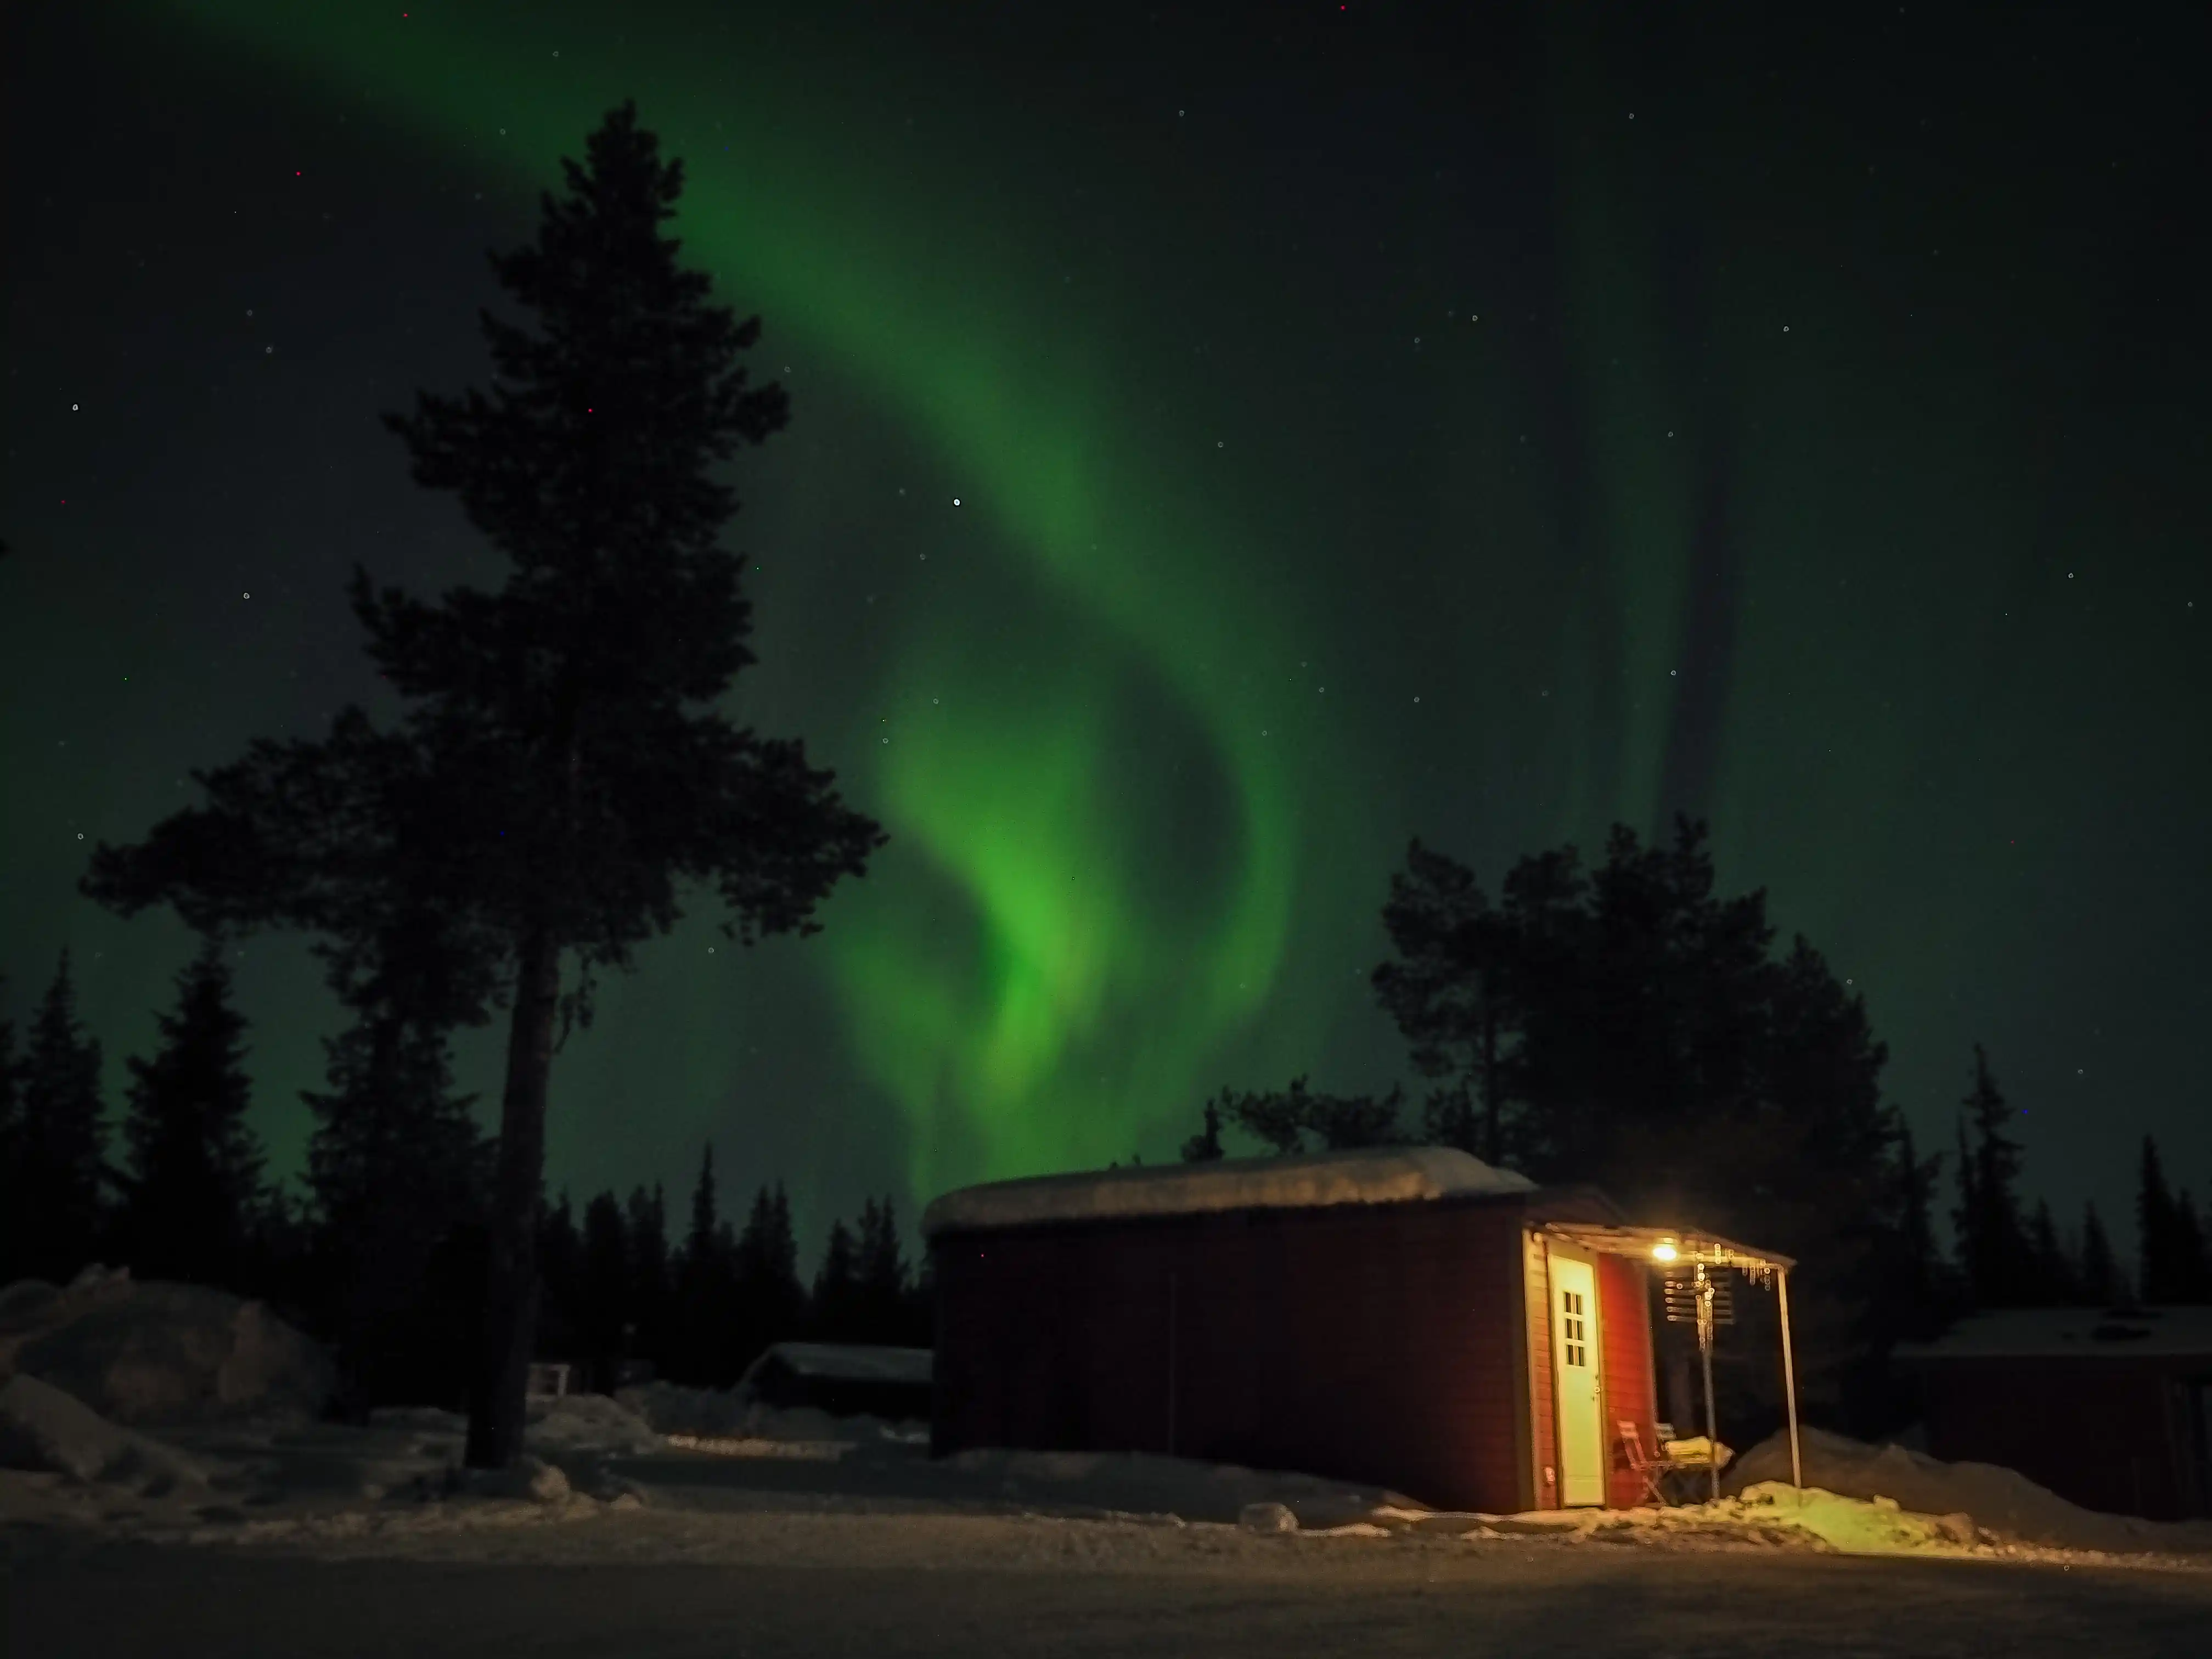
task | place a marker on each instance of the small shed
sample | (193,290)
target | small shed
(1409,1317)
(845,1379)
(2111,1407)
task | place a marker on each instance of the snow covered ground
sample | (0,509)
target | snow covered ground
(744,1529)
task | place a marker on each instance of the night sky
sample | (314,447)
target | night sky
(1222,448)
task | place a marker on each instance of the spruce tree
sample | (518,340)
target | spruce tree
(1205,1146)
(1452,993)
(397,1173)
(559,1334)
(2103,1285)
(645,1222)
(195,1165)
(881,1293)
(2057,1278)
(2165,1267)
(701,1345)
(771,1299)
(603,1292)
(61,1139)
(563,771)
(836,1288)
(1993,1240)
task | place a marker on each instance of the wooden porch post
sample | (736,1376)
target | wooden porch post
(1789,1379)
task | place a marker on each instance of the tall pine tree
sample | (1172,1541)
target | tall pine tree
(195,1181)
(702,1346)
(1993,1245)
(836,1301)
(61,1141)
(880,1290)
(771,1300)
(605,1309)
(646,1221)
(2173,1266)
(563,772)
(2055,1277)
(2103,1285)
(397,1172)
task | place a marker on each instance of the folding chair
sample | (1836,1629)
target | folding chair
(1645,1466)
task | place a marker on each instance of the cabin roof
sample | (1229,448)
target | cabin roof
(1384,1175)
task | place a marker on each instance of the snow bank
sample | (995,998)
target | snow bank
(2000,1500)
(589,1422)
(45,1429)
(164,1354)
(721,1414)
(1141,1483)
(1391,1175)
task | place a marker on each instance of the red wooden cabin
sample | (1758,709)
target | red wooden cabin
(1407,1318)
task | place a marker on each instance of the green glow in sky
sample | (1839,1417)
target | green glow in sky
(1020,1050)
(1442,428)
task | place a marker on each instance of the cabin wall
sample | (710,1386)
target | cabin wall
(1376,1343)
(1624,1289)
(2124,1436)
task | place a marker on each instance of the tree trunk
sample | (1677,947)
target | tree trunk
(500,1378)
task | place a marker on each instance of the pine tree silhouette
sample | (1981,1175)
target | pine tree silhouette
(836,1286)
(60,1139)
(1993,1241)
(881,1275)
(563,771)
(2166,1264)
(771,1300)
(645,1222)
(1205,1146)
(397,1171)
(559,1332)
(2057,1278)
(195,1165)
(603,1292)
(2103,1285)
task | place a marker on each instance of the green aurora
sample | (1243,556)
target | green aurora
(1717,521)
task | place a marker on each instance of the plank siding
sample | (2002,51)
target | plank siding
(1393,1344)
(1624,1292)
(1543,1403)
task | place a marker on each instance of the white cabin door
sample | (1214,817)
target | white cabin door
(1576,1380)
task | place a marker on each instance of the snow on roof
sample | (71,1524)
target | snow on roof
(844,1362)
(1384,1175)
(2070,1333)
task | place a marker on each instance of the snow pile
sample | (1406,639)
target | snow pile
(46,1430)
(590,1422)
(1388,1174)
(1124,1483)
(718,1420)
(161,1353)
(2002,1501)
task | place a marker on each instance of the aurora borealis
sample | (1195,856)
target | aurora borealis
(1222,447)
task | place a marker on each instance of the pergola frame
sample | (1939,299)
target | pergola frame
(1665,1247)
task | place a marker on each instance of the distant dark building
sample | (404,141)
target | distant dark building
(844,1379)
(2110,1409)
(1410,1318)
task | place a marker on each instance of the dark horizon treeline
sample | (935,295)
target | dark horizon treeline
(382,1258)
(1622,1025)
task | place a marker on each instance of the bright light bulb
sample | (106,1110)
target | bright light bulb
(1663,1250)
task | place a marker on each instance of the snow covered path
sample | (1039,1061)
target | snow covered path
(646,1585)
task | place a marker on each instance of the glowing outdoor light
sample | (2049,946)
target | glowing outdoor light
(1663,1250)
